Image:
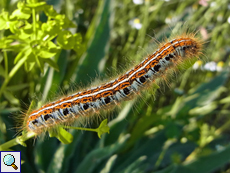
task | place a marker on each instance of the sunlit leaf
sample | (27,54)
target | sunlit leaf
(103,128)
(4,20)
(36,5)
(63,136)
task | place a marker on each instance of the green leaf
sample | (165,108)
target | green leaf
(31,61)
(64,21)
(66,40)
(36,5)
(23,33)
(109,165)
(17,87)
(50,12)
(103,128)
(36,46)
(48,50)
(5,42)
(98,46)
(52,27)
(40,63)
(52,63)
(208,163)
(135,166)
(11,98)
(24,53)
(96,156)
(3,105)
(4,20)
(62,135)
(21,14)
(29,66)
(44,53)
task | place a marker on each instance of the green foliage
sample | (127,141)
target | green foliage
(181,129)
(33,41)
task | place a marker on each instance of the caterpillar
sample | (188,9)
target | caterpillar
(85,103)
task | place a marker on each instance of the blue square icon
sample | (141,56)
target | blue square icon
(10,161)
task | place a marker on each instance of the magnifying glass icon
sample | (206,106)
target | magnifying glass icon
(9,160)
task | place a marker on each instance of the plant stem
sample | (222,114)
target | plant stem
(34,23)
(12,73)
(16,141)
(81,128)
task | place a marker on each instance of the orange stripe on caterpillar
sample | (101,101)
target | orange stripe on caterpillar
(84,103)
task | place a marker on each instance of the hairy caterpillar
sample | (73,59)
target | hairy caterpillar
(85,103)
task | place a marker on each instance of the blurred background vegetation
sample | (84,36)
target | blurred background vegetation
(181,128)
